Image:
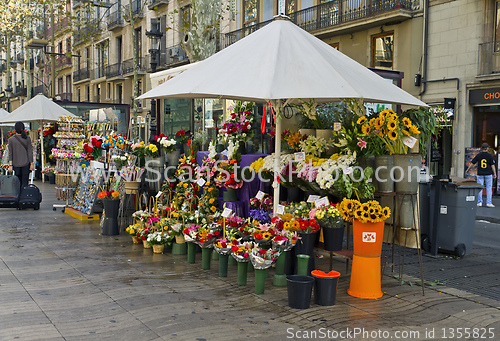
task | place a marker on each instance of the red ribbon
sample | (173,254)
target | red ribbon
(263,124)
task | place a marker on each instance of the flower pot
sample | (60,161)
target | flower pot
(382,179)
(279,279)
(308,132)
(334,237)
(407,172)
(365,271)
(305,246)
(180,239)
(173,158)
(325,287)
(242,273)
(260,280)
(110,223)
(146,244)
(206,254)
(232,261)
(299,291)
(223,261)
(302,263)
(230,194)
(191,253)
(215,255)
(135,240)
(52,179)
(158,248)
(179,249)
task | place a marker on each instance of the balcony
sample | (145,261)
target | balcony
(115,20)
(114,70)
(81,75)
(98,72)
(60,26)
(64,96)
(63,62)
(489,59)
(128,66)
(172,56)
(40,89)
(83,33)
(153,4)
(136,10)
(338,17)
(19,91)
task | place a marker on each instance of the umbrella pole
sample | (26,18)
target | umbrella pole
(41,149)
(277,156)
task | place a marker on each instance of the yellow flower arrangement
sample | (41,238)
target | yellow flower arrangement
(257,164)
(369,212)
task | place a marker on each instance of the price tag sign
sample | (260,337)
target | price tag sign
(313,198)
(300,156)
(227,212)
(409,141)
(337,126)
(158,194)
(347,170)
(323,201)
(280,209)
(260,195)
(201,182)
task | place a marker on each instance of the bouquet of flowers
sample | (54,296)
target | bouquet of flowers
(183,136)
(241,250)
(265,204)
(263,233)
(151,150)
(263,258)
(260,215)
(327,216)
(229,176)
(143,233)
(315,145)
(159,238)
(120,160)
(238,128)
(292,140)
(139,150)
(48,170)
(301,225)
(369,212)
(113,195)
(133,229)
(207,234)
(209,200)
(222,246)
(167,144)
(283,240)
(299,210)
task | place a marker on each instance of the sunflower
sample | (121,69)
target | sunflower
(392,135)
(392,125)
(361,120)
(365,129)
(406,122)
(383,113)
(382,132)
(266,235)
(286,225)
(406,132)
(379,122)
(213,208)
(386,211)
(372,121)
(414,130)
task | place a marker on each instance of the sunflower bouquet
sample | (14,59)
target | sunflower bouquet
(263,233)
(390,130)
(369,212)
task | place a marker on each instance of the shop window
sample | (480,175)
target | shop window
(177,115)
(250,12)
(382,51)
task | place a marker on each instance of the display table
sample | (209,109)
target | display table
(249,188)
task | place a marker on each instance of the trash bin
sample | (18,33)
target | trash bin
(457,216)
(299,291)
(325,287)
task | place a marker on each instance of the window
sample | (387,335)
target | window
(68,84)
(119,49)
(108,90)
(250,12)
(87,93)
(289,6)
(382,51)
(497,26)
(138,42)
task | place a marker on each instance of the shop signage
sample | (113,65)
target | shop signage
(484,96)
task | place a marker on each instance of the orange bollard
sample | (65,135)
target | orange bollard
(365,271)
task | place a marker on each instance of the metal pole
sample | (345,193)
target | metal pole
(53,60)
(437,212)
(277,155)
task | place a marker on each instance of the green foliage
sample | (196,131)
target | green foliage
(355,184)
(427,121)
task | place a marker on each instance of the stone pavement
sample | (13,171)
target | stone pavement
(61,280)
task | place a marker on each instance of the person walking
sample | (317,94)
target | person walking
(485,173)
(21,154)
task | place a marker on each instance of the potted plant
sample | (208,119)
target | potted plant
(332,224)
(368,232)
(132,231)
(50,171)
(158,240)
(170,149)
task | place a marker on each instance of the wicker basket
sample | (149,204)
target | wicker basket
(146,244)
(158,248)
(180,239)
(135,239)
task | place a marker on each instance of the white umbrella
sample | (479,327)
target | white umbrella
(38,109)
(281,63)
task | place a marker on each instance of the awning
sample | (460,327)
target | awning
(161,77)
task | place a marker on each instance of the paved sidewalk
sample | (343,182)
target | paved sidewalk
(61,280)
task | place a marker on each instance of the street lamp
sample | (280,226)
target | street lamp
(8,93)
(154,35)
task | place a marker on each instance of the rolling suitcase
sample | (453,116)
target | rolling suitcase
(9,191)
(30,196)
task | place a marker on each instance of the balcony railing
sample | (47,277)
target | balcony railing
(156,3)
(327,14)
(136,9)
(114,70)
(80,75)
(86,31)
(63,62)
(115,20)
(99,72)
(128,66)
(60,26)
(489,58)
(39,89)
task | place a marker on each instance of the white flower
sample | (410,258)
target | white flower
(211,150)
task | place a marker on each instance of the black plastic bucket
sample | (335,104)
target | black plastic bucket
(325,287)
(299,291)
